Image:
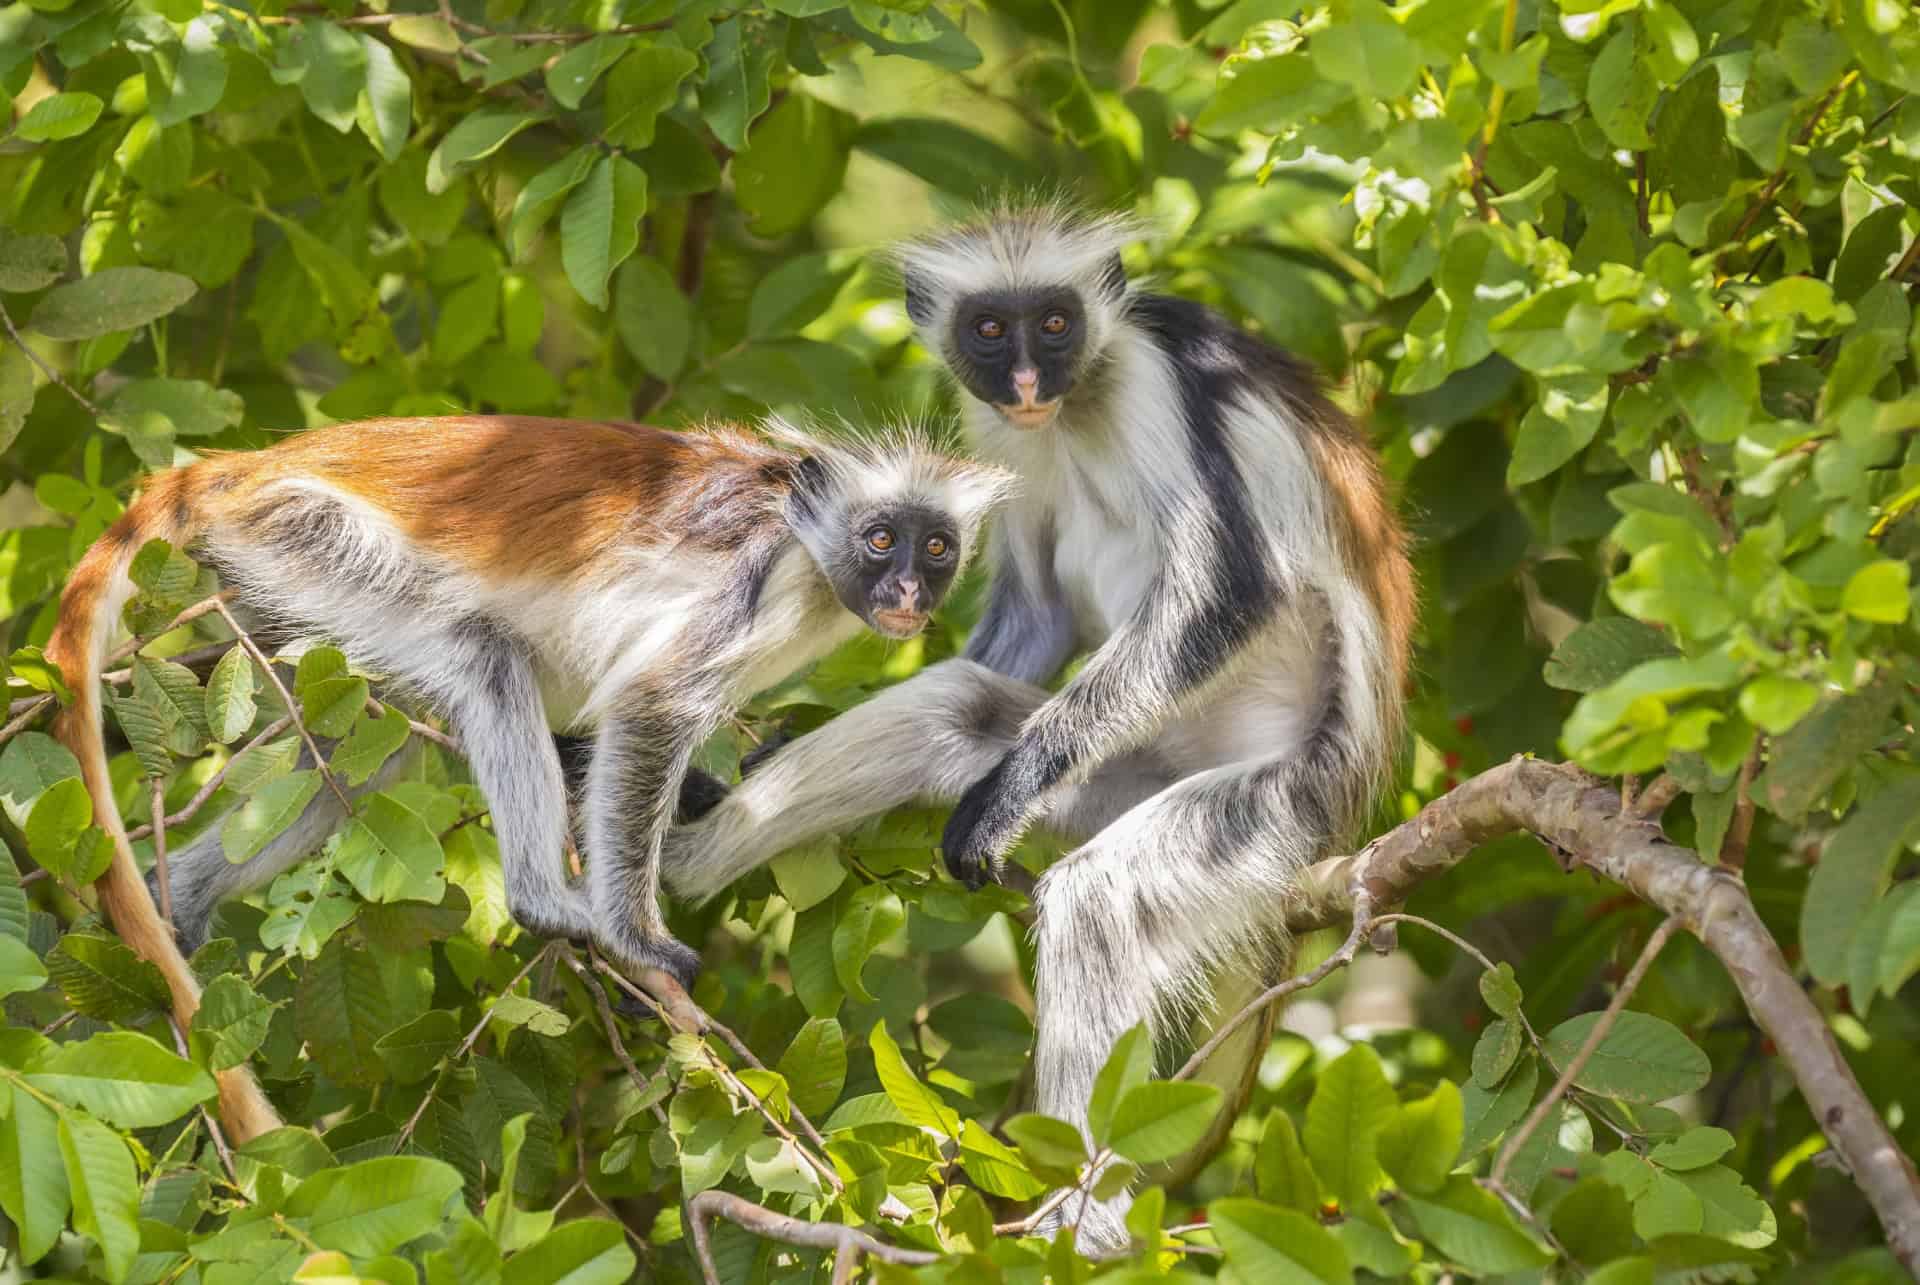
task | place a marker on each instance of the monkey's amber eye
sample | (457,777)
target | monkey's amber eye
(1055,323)
(880,539)
(936,546)
(989,328)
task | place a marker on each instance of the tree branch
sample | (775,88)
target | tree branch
(708,1205)
(1579,817)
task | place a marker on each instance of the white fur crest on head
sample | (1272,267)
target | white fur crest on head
(898,462)
(1019,243)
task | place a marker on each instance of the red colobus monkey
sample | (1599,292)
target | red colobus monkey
(513,573)
(1199,516)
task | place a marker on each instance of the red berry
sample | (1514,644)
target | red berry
(1464,724)
(1452,759)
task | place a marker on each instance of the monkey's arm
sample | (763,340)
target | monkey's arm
(1027,630)
(1210,597)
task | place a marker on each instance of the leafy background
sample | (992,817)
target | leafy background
(1621,290)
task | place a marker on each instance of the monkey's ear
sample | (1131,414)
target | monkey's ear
(919,298)
(1113,277)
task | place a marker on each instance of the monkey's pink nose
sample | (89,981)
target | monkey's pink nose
(1027,384)
(909,593)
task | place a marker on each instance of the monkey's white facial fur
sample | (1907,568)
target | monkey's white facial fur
(1020,306)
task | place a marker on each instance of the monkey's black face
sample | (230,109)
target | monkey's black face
(902,564)
(1019,350)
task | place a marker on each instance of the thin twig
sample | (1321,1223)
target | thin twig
(28,716)
(641,1082)
(746,1055)
(1733,848)
(466,1047)
(1668,927)
(1779,176)
(838,1237)
(293,706)
(53,376)
(1655,799)
(213,1125)
(215,781)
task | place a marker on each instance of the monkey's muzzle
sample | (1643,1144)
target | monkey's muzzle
(1030,414)
(899,622)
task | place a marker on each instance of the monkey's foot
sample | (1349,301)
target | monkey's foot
(756,758)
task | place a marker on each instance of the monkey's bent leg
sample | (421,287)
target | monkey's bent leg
(925,740)
(1133,926)
(199,876)
(496,711)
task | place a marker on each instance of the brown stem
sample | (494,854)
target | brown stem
(293,706)
(1779,176)
(1733,848)
(53,376)
(842,1239)
(213,784)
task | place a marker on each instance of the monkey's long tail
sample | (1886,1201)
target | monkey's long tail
(168,510)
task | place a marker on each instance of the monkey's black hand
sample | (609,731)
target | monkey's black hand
(700,793)
(985,824)
(754,759)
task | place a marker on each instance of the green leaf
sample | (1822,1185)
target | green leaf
(124,1078)
(571,76)
(1496,1051)
(1694,1149)
(1281,1171)
(163,684)
(1877,592)
(32,763)
(472,140)
(16,393)
(389,853)
(33,1176)
(872,915)
(947,155)
(59,116)
(1774,702)
(1641,1059)
(29,263)
(1500,991)
(20,969)
(13,897)
(640,87)
(989,1038)
(583,1251)
(109,300)
(1352,1102)
(103,979)
(1472,1228)
(795,161)
(1806,762)
(369,745)
(796,292)
(1418,1145)
(1373,55)
(542,196)
(995,1167)
(809,874)
(331,66)
(1052,1143)
(375,1206)
(1856,866)
(60,818)
(920,1105)
(413,1051)
(1490,1112)
(1127,1067)
(231,1022)
(384,108)
(1730,1210)
(105,1188)
(341,1009)
(330,697)
(815,1066)
(653,317)
(600,225)
(1161,1119)
(1622,91)
(1284,1246)
(249,828)
(736,90)
(1557,427)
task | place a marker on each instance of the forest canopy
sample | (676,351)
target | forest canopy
(1619,290)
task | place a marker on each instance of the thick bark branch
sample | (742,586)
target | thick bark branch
(1579,817)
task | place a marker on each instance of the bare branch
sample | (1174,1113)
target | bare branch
(1579,816)
(708,1205)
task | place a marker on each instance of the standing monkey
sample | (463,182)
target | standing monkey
(1194,511)
(511,573)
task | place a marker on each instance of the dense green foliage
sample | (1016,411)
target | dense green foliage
(1620,287)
